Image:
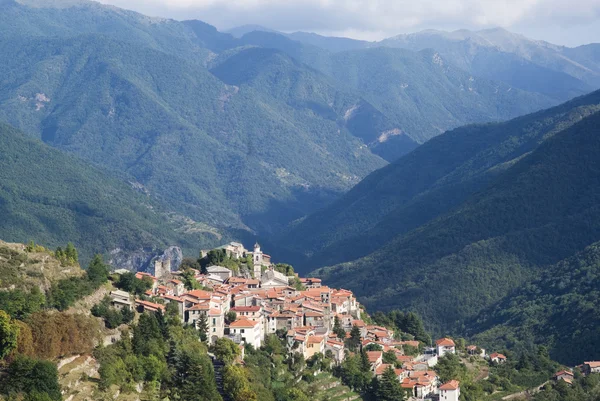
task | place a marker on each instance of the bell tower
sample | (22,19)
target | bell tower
(257,261)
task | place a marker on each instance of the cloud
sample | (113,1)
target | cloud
(379,18)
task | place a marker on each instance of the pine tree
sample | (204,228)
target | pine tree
(71,253)
(354,341)
(338,330)
(388,387)
(202,326)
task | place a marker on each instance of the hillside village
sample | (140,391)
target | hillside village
(309,316)
(312,335)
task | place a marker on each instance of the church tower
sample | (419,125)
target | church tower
(257,261)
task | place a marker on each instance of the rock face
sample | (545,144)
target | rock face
(143,259)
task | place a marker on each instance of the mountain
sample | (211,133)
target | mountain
(51,197)
(240,31)
(471,215)
(273,73)
(430,181)
(418,91)
(496,54)
(199,144)
(330,43)
(557,309)
(243,135)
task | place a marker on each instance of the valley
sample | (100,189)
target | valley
(429,201)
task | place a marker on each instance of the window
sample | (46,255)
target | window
(214,329)
(241,330)
(214,320)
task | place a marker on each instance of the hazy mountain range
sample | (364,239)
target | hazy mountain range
(384,165)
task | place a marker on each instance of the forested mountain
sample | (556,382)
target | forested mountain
(241,134)
(430,181)
(500,55)
(51,197)
(536,66)
(420,91)
(558,309)
(512,209)
(217,152)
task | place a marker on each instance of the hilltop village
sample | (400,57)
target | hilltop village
(247,306)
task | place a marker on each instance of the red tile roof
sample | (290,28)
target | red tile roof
(243,322)
(374,355)
(445,342)
(451,385)
(246,308)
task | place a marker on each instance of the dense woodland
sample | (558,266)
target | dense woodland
(541,209)
(557,309)
(54,197)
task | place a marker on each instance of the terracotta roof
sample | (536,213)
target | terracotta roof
(243,322)
(451,385)
(500,356)
(150,305)
(374,355)
(563,372)
(313,314)
(593,364)
(173,298)
(214,312)
(139,275)
(199,294)
(315,339)
(246,308)
(445,342)
(413,343)
(200,306)
(358,323)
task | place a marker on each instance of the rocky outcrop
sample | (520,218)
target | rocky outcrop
(143,259)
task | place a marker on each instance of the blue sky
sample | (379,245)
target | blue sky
(566,22)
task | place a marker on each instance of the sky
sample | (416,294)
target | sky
(565,22)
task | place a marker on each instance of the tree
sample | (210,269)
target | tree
(71,253)
(236,385)
(225,350)
(202,326)
(389,356)
(97,271)
(193,376)
(130,283)
(147,336)
(338,330)
(9,331)
(352,374)
(449,367)
(355,338)
(373,347)
(231,316)
(33,377)
(388,387)
(189,278)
